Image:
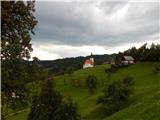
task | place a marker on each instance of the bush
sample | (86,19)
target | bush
(70,111)
(111,70)
(91,83)
(156,70)
(116,95)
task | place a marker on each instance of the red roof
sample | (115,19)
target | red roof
(88,62)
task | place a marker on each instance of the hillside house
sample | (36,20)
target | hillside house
(123,60)
(89,62)
(127,60)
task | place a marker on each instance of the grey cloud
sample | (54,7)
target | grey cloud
(111,7)
(76,23)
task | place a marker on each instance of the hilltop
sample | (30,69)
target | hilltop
(144,103)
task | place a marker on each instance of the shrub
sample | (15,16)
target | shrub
(110,70)
(91,83)
(70,111)
(156,70)
(116,95)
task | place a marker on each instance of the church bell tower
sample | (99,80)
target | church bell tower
(91,58)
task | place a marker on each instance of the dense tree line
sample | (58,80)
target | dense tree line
(60,66)
(144,53)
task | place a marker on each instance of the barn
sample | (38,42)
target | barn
(126,60)
(122,60)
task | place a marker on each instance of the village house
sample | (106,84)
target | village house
(89,62)
(123,60)
(126,60)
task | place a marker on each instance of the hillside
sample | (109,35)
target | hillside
(144,103)
(60,66)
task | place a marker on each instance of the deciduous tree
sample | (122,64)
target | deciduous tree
(17,25)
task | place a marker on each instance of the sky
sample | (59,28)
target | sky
(79,28)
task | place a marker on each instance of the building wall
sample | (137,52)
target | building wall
(126,62)
(87,66)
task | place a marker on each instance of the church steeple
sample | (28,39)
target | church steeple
(91,58)
(91,55)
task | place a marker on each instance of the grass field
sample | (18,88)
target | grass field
(145,101)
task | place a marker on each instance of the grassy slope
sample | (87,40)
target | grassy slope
(146,108)
(86,102)
(145,103)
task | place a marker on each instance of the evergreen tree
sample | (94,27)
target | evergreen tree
(70,111)
(49,105)
(145,53)
(91,83)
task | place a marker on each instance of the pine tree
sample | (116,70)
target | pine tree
(47,104)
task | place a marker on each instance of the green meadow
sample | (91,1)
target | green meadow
(144,102)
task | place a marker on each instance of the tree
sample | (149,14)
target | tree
(37,74)
(91,83)
(49,105)
(17,24)
(116,95)
(118,58)
(35,71)
(70,111)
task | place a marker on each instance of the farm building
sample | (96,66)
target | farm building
(123,60)
(127,60)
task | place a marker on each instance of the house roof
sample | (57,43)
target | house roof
(88,62)
(128,58)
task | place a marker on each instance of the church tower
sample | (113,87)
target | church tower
(91,58)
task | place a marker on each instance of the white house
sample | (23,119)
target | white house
(89,63)
(126,60)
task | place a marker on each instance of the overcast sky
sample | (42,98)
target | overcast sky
(70,29)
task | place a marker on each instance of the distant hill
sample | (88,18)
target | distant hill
(59,66)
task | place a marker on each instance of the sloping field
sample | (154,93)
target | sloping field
(144,103)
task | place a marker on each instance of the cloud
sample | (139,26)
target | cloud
(54,51)
(99,25)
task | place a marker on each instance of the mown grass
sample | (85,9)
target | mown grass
(144,105)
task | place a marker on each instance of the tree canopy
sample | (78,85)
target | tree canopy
(17,25)
(144,53)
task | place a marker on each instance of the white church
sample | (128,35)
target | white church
(89,62)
